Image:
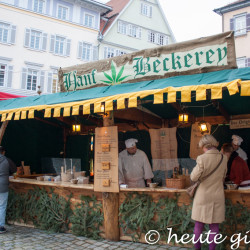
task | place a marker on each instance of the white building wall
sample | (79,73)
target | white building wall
(132,15)
(17,57)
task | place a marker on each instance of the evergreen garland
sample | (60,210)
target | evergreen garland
(46,210)
(87,218)
(139,214)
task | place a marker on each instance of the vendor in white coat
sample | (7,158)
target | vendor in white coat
(237,140)
(134,167)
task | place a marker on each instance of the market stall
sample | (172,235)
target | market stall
(160,85)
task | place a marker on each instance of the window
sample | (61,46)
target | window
(89,20)
(59,45)
(35,39)
(146,10)
(240,25)
(134,31)
(111,52)
(87,52)
(122,27)
(241,62)
(7,33)
(39,6)
(157,38)
(32,79)
(119,52)
(151,37)
(62,12)
(3,69)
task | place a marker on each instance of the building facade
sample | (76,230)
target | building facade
(236,17)
(39,36)
(133,25)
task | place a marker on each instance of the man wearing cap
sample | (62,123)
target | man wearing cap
(236,142)
(7,167)
(134,167)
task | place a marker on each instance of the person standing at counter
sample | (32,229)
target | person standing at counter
(237,169)
(7,167)
(134,167)
(236,142)
(209,201)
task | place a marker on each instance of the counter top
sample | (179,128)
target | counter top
(91,186)
(52,183)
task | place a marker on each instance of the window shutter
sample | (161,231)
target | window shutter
(13,34)
(68,47)
(30,4)
(248,21)
(149,36)
(105,52)
(42,80)
(10,72)
(52,43)
(119,27)
(139,32)
(150,11)
(141,8)
(50,79)
(79,54)
(95,53)
(24,78)
(27,38)
(130,30)
(44,42)
(232,24)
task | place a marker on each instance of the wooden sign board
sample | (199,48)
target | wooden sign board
(164,148)
(241,123)
(196,135)
(106,160)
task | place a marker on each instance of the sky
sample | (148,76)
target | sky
(190,19)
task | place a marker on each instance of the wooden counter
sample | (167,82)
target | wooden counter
(64,189)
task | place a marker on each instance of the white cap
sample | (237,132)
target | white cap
(237,140)
(130,142)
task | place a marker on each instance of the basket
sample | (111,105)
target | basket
(66,177)
(178,183)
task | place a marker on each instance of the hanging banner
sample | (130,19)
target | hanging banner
(164,148)
(241,123)
(196,135)
(196,56)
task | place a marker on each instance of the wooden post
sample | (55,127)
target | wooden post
(2,130)
(111,200)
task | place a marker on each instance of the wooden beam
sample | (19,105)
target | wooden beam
(2,130)
(221,109)
(134,114)
(48,122)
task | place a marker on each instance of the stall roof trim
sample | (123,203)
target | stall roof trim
(71,101)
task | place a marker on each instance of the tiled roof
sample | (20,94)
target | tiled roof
(118,6)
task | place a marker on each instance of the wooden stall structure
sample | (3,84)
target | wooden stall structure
(144,90)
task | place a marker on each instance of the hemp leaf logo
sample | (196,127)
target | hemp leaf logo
(113,78)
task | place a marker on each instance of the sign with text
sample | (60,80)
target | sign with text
(196,56)
(106,160)
(241,123)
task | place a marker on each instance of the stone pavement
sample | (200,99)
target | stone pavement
(18,238)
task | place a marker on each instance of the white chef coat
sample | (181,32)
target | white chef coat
(134,169)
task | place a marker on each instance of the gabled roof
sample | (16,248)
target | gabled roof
(232,6)
(118,6)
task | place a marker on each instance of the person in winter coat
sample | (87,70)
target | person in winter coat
(209,201)
(7,167)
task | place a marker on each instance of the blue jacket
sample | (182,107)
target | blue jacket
(7,167)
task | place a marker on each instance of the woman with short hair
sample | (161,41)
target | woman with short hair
(209,201)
